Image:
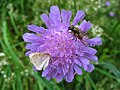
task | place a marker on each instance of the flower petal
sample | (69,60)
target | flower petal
(89,50)
(66,16)
(69,16)
(34,46)
(91,57)
(90,68)
(95,41)
(59,77)
(46,20)
(79,16)
(46,71)
(85,26)
(28,52)
(69,77)
(30,37)
(78,70)
(36,29)
(84,62)
(54,16)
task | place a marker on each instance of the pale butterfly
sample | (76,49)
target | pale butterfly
(39,60)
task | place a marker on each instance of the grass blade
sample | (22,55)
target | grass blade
(15,59)
(106,73)
(112,68)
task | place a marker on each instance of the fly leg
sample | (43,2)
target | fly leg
(84,42)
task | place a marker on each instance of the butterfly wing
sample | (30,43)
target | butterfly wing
(46,64)
(39,60)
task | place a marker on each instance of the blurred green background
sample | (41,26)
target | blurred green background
(16,71)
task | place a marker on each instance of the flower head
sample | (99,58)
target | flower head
(68,56)
(107,3)
(112,14)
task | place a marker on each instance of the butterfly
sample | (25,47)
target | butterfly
(39,60)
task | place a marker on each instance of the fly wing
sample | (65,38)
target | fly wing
(39,60)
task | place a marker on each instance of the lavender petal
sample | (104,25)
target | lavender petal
(79,16)
(85,26)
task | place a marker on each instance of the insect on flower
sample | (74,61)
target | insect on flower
(77,33)
(55,51)
(39,60)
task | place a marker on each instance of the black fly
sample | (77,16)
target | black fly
(77,33)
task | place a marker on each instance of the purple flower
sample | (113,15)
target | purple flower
(68,56)
(107,3)
(112,14)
